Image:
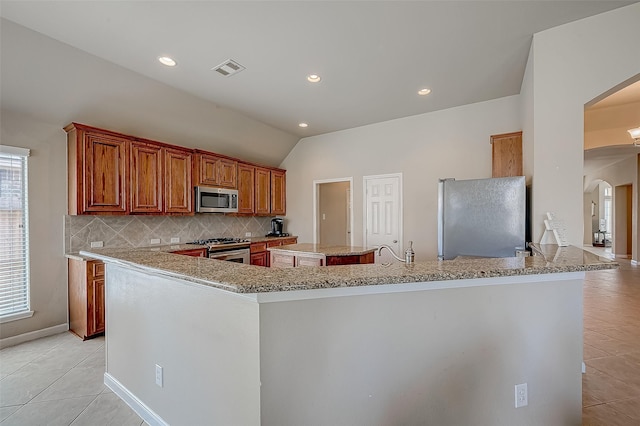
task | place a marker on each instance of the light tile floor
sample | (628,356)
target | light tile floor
(611,385)
(58,380)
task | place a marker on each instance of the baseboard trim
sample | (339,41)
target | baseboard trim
(33,335)
(634,262)
(147,414)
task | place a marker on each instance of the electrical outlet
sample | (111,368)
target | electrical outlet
(522,395)
(175,240)
(158,375)
(247,234)
(97,244)
(155,241)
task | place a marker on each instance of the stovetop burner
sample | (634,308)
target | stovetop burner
(221,240)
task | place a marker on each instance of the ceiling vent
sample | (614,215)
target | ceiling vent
(228,68)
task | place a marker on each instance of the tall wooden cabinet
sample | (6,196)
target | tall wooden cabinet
(98,169)
(178,190)
(146,178)
(278,192)
(263,191)
(246,188)
(506,155)
(86,297)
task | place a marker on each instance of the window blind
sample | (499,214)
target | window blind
(14,232)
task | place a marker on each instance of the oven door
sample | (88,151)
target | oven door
(238,256)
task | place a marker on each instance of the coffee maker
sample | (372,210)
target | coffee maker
(276,228)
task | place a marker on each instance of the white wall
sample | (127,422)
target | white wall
(47,207)
(442,144)
(569,66)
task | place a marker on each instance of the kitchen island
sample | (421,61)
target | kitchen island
(293,255)
(438,342)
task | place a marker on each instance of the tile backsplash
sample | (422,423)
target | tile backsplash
(138,231)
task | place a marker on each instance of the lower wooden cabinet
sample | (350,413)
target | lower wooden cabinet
(260,255)
(86,297)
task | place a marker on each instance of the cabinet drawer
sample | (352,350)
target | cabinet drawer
(96,268)
(274,243)
(258,247)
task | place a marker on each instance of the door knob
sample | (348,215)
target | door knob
(395,241)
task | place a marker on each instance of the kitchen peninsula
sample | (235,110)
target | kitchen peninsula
(436,342)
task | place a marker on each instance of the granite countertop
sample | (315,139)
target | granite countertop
(326,250)
(240,278)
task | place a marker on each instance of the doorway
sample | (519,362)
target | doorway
(623,198)
(332,212)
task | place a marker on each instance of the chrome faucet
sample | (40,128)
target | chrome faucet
(409,254)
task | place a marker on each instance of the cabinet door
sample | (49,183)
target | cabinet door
(506,155)
(95,310)
(146,178)
(278,193)
(260,259)
(281,260)
(207,170)
(105,173)
(310,260)
(177,182)
(263,191)
(246,188)
(227,173)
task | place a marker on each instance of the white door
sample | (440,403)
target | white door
(383,214)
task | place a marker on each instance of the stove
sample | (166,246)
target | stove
(226,248)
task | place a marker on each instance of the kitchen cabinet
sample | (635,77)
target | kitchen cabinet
(259,254)
(357,259)
(506,154)
(295,255)
(98,167)
(146,178)
(199,252)
(86,297)
(246,188)
(178,189)
(278,192)
(263,191)
(266,196)
(216,171)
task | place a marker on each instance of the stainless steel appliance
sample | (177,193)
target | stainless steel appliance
(229,249)
(216,200)
(481,217)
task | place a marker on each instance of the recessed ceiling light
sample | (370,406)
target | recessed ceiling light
(423,92)
(313,78)
(165,60)
(303,125)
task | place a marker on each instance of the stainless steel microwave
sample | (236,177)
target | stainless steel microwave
(216,200)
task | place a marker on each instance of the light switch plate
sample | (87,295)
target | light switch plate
(175,240)
(155,241)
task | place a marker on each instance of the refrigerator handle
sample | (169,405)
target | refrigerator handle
(441,218)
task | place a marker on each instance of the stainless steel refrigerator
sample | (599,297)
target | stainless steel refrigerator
(481,217)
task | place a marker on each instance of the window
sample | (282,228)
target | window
(14,234)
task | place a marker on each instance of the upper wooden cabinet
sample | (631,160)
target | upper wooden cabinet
(112,173)
(263,191)
(146,178)
(278,192)
(506,154)
(212,170)
(98,167)
(246,188)
(178,189)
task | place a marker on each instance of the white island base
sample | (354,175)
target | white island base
(436,353)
